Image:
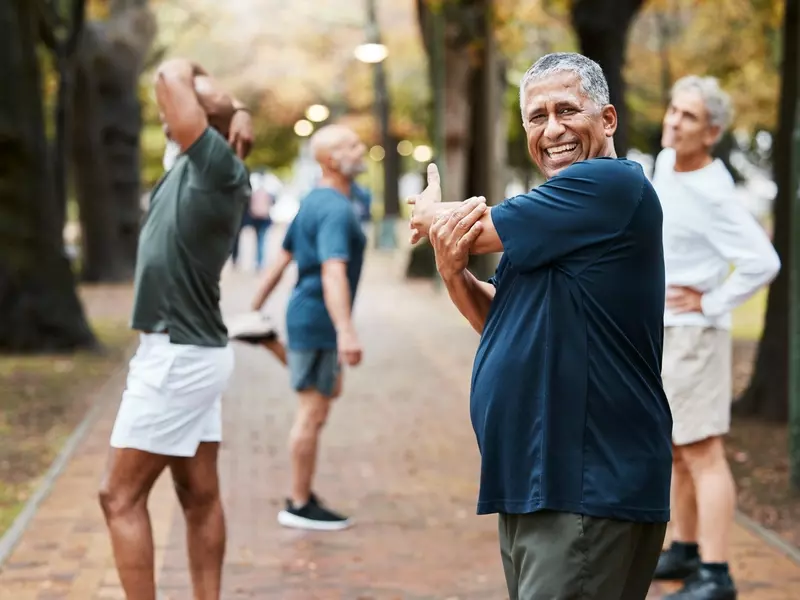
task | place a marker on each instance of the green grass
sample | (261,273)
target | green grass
(42,399)
(748,319)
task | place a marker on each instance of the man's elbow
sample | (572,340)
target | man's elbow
(772,267)
(763,270)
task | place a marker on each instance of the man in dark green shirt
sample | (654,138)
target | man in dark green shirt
(170,413)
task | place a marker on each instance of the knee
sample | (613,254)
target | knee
(309,422)
(196,499)
(703,455)
(115,500)
(306,428)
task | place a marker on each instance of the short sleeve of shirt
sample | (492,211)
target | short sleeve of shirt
(578,210)
(333,239)
(215,165)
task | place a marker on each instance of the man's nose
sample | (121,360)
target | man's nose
(554,128)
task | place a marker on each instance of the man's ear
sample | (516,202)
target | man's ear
(712,135)
(609,114)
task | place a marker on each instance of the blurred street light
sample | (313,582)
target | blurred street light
(317,113)
(405,148)
(303,128)
(423,153)
(377,153)
(371,53)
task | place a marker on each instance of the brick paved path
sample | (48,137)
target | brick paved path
(398,454)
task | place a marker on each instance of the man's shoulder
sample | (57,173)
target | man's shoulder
(618,181)
(212,154)
(617,171)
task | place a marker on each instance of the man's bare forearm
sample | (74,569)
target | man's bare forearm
(471,297)
(336,294)
(271,279)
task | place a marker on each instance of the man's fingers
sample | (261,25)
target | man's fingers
(433,175)
(472,216)
(412,200)
(466,241)
(468,213)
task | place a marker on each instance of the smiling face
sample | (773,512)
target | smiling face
(564,125)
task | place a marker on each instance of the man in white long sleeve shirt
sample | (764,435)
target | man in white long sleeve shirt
(706,232)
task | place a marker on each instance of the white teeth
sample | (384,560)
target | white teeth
(561,149)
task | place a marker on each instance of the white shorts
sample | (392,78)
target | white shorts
(173,397)
(697,375)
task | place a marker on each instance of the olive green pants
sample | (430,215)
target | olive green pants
(563,556)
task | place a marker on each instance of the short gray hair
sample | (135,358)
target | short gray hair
(591,77)
(716,100)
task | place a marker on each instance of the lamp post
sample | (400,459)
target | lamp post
(374,52)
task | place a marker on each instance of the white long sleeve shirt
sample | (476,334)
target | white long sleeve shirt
(706,232)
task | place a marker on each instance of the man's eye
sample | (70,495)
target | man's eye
(538,117)
(566,111)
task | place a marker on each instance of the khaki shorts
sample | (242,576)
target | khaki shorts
(696,371)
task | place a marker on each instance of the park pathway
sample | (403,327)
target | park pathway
(398,454)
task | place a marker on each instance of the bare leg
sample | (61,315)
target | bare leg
(277,348)
(129,477)
(197,485)
(716,496)
(312,413)
(684,501)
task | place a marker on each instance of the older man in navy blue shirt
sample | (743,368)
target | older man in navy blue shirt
(571,420)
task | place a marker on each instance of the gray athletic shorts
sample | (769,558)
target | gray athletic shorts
(314,370)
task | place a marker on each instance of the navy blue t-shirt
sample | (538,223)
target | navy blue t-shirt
(326,227)
(567,402)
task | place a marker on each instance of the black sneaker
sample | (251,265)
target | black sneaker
(706,585)
(673,565)
(312,516)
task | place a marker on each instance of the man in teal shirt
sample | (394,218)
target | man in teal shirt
(327,243)
(170,415)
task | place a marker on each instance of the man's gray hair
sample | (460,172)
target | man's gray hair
(716,100)
(593,81)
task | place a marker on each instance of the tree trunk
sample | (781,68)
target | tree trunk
(461,28)
(767,396)
(486,173)
(602,29)
(39,309)
(105,152)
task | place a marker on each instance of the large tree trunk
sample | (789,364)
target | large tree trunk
(602,28)
(462,22)
(768,393)
(39,309)
(106,154)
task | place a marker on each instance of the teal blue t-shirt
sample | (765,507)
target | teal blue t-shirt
(326,227)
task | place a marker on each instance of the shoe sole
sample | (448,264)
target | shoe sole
(676,575)
(287,519)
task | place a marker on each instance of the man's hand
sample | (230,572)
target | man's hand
(240,135)
(452,236)
(682,299)
(348,346)
(423,205)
